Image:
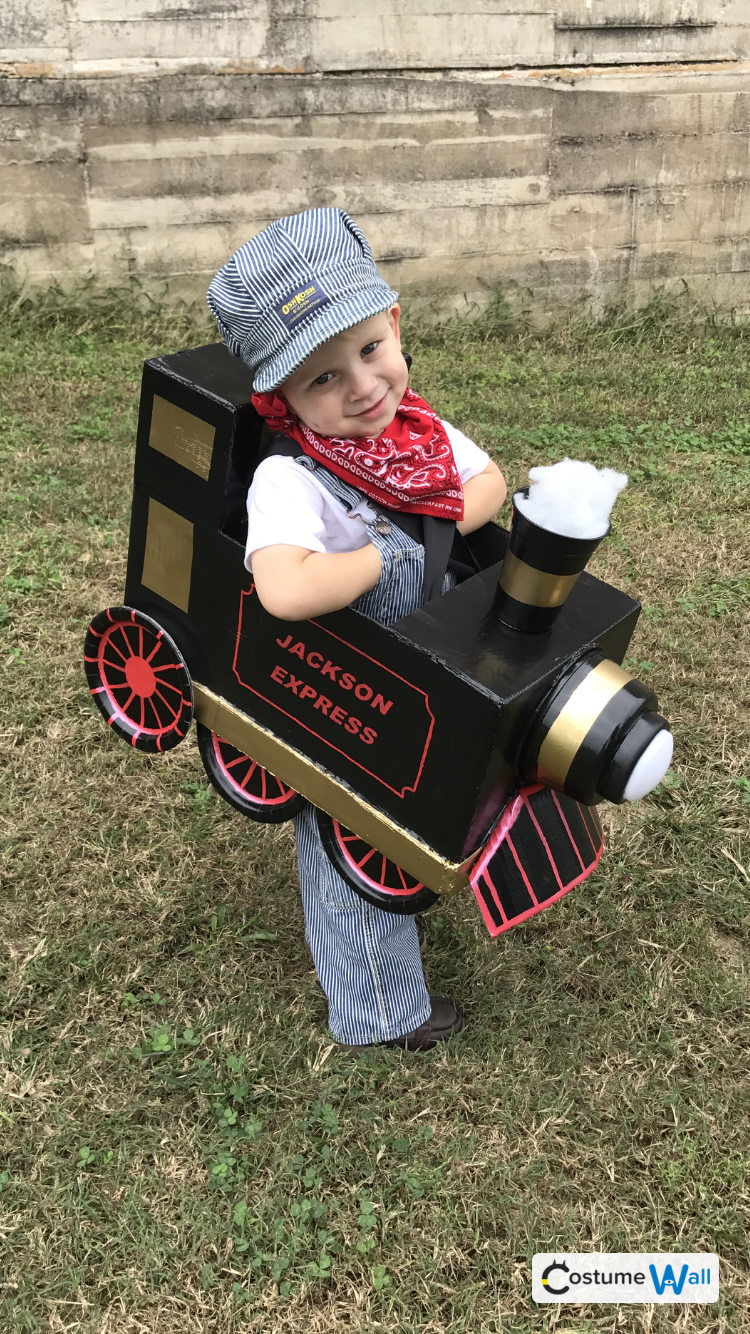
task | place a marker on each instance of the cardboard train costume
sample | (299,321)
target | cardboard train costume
(468,742)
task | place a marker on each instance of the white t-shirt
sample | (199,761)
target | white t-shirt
(287,504)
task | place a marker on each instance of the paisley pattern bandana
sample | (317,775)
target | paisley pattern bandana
(409,466)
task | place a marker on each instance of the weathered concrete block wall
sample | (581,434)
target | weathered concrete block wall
(569,146)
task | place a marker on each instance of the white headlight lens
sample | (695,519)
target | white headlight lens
(651,767)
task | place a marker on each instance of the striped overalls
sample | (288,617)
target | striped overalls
(367,960)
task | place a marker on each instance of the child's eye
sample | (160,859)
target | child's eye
(367,350)
(324,378)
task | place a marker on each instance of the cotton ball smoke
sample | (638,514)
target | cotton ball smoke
(572,498)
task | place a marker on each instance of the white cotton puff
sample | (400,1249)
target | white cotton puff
(572,498)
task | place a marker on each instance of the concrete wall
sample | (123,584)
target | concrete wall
(569,146)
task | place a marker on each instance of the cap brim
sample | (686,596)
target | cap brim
(320,328)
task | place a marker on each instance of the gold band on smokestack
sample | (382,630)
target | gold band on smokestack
(534,587)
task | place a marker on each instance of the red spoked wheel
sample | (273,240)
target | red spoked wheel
(138,679)
(244,783)
(369,872)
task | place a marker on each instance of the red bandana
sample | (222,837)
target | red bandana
(409,466)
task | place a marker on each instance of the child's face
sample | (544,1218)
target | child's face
(352,385)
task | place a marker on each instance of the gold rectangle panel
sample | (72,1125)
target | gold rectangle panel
(323,790)
(168,558)
(182,436)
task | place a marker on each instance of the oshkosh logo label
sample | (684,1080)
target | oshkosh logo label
(298,305)
(654,1277)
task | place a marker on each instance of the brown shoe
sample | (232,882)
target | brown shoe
(445,1020)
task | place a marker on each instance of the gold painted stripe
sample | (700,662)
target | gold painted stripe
(168,555)
(325,791)
(182,436)
(536,588)
(575,720)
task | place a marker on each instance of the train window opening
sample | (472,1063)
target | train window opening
(250,439)
(477,551)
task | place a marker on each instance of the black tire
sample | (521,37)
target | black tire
(384,883)
(247,787)
(138,679)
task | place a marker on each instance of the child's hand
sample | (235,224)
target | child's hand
(295,584)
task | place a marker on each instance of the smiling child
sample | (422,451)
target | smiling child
(356,502)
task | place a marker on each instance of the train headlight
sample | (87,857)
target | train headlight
(598,736)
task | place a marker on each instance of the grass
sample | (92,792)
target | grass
(183,1148)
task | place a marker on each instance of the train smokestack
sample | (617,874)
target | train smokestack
(538,572)
(557,525)
(598,735)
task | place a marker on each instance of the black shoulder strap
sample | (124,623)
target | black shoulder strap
(280,444)
(438,543)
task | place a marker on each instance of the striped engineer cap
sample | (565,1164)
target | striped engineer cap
(299,282)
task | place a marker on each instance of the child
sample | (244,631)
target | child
(356,502)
